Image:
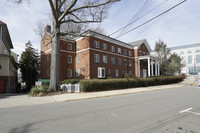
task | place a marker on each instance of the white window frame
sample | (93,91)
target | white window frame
(119,61)
(130,53)
(112,48)
(78,73)
(69,46)
(96,44)
(100,72)
(105,46)
(105,59)
(77,59)
(69,59)
(69,73)
(119,50)
(96,58)
(113,60)
(77,47)
(116,73)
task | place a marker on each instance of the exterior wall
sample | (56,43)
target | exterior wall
(4,69)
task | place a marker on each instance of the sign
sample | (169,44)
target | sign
(38,83)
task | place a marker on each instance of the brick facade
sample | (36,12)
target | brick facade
(88,55)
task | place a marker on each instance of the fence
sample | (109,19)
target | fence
(70,87)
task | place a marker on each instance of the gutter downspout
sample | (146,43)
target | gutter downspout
(9,73)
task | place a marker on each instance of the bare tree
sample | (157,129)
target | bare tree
(71,11)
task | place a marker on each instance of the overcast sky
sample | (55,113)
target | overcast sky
(180,26)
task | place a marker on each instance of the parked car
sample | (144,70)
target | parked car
(199,79)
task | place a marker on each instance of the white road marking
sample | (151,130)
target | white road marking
(186,110)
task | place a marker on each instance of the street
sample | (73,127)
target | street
(165,111)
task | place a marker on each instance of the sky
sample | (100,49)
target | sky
(180,26)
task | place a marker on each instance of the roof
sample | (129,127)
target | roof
(140,42)
(185,46)
(6,32)
(103,37)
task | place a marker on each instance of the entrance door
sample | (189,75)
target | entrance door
(2,86)
(144,73)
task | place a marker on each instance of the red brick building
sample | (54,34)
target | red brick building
(98,56)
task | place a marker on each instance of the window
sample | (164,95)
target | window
(112,48)
(0,65)
(130,62)
(130,53)
(69,73)
(113,60)
(105,59)
(119,61)
(116,73)
(119,51)
(78,73)
(189,59)
(198,58)
(47,72)
(182,52)
(77,47)
(189,51)
(125,62)
(69,46)
(48,58)
(104,46)
(96,58)
(109,71)
(101,72)
(96,44)
(130,72)
(140,53)
(125,52)
(69,59)
(197,50)
(77,59)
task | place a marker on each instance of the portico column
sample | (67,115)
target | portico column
(156,67)
(138,67)
(149,67)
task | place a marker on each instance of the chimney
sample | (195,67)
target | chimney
(48,29)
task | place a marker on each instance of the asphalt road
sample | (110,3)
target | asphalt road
(165,111)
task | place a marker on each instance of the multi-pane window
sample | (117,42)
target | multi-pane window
(69,46)
(77,59)
(190,59)
(182,52)
(69,59)
(116,73)
(125,52)
(77,47)
(119,51)
(105,59)
(101,72)
(198,58)
(0,65)
(119,61)
(48,58)
(96,58)
(140,53)
(125,62)
(130,53)
(69,72)
(96,44)
(112,60)
(112,48)
(130,62)
(197,50)
(78,73)
(189,51)
(104,46)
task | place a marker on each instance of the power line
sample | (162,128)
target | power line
(144,6)
(154,17)
(139,17)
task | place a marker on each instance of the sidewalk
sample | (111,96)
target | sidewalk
(12,100)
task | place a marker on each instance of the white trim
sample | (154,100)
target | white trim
(66,51)
(83,50)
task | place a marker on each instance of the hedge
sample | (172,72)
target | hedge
(123,83)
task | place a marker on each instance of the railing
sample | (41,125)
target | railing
(70,87)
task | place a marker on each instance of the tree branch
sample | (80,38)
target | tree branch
(85,21)
(62,3)
(53,10)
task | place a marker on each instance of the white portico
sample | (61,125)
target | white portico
(148,66)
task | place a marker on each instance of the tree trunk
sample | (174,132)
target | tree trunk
(55,59)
